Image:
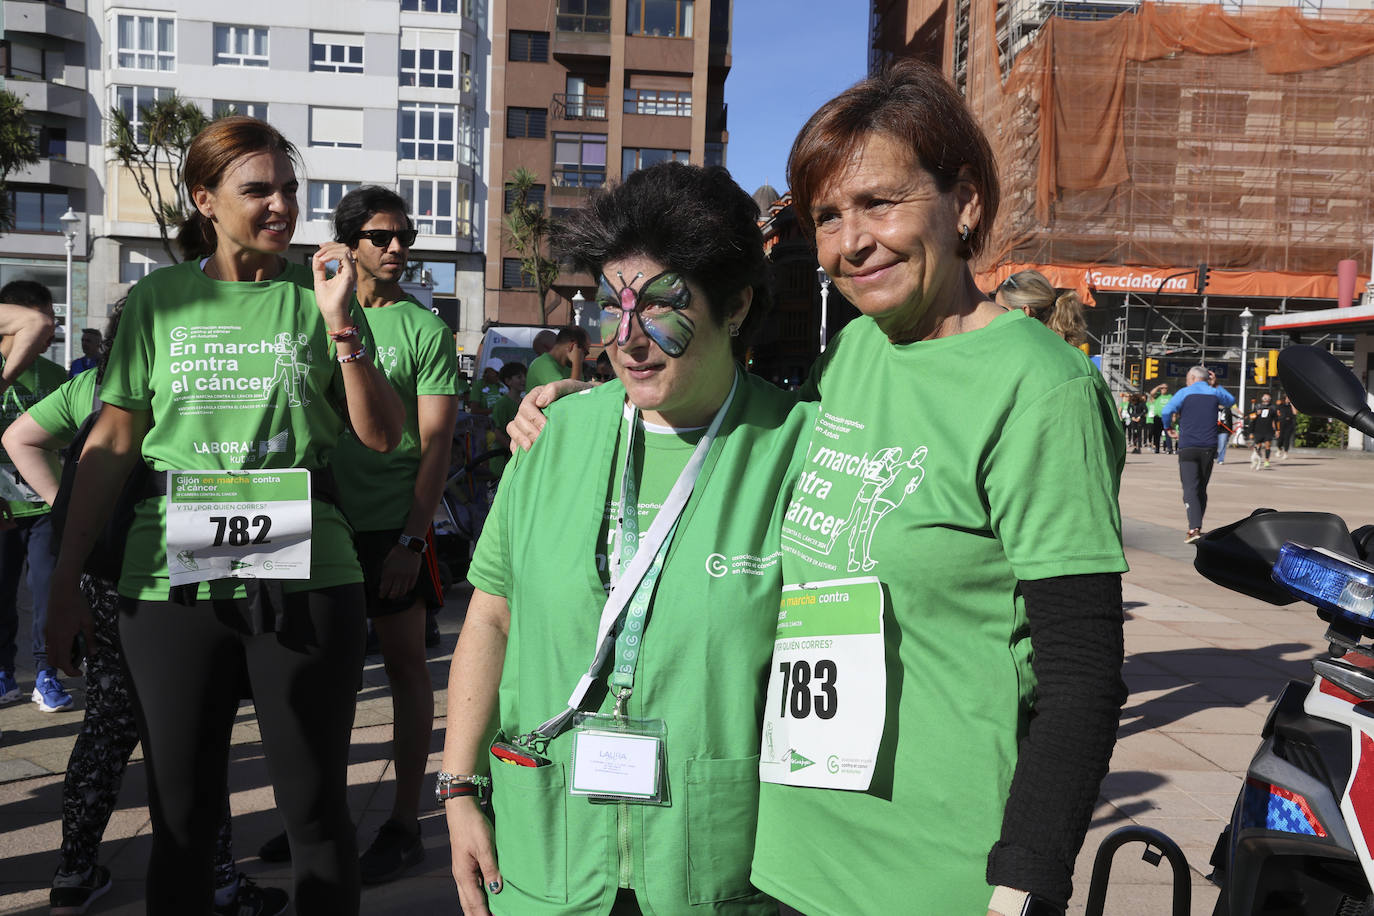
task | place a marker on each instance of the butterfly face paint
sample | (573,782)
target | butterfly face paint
(659,305)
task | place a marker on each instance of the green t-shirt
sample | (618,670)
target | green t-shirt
(414,349)
(950,469)
(703,662)
(502,412)
(237,376)
(62,412)
(33,385)
(487,394)
(1156,405)
(545,369)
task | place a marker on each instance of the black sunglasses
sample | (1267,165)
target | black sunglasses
(382,237)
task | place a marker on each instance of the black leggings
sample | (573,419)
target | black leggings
(188,667)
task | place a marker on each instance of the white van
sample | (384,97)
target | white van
(503,343)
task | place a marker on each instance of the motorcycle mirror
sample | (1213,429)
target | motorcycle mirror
(1320,385)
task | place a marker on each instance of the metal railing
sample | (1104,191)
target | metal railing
(569,107)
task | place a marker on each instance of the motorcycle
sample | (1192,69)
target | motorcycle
(1301,835)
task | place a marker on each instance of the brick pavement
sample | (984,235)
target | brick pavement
(1203,665)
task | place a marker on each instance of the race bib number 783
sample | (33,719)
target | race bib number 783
(827,686)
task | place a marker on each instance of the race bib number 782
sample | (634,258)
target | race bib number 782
(238,524)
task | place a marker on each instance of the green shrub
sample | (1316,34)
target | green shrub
(1319,432)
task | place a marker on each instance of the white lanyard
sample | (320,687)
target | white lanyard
(629,579)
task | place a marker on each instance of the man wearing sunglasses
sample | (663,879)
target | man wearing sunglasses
(389,500)
(563,361)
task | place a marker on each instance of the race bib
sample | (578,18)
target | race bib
(827,688)
(238,525)
(14,489)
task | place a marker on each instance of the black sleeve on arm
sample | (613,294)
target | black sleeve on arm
(1077,645)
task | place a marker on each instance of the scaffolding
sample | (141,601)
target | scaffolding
(1165,135)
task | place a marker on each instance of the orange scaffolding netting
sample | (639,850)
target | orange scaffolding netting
(1173,135)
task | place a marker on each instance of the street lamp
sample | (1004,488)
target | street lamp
(70,223)
(824,279)
(578,300)
(1247,318)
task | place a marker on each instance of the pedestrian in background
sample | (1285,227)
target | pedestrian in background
(1059,310)
(1196,407)
(1154,404)
(1288,425)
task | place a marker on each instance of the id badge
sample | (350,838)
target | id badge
(619,760)
(827,686)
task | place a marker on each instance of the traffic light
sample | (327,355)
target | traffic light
(1273,363)
(1261,370)
(1151,368)
(1201,279)
(1135,374)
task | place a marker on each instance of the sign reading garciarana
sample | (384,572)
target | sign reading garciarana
(238,524)
(827,687)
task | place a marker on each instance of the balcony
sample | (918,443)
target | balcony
(54,98)
(717,118)
(40,18)
(566,107)
(580,33)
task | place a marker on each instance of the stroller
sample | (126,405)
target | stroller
(466,499)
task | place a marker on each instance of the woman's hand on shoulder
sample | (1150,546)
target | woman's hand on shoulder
(474,857)
(529,420)
(333,294)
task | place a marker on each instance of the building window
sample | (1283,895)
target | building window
(337,127)
(428,131)
(427,59)
(641,158)
(658,102)
(240,46)
(145,42)
(526,122)
(1219,113)
(443,275)
(323,198)
(136,263)
(430,203)
(222,107)
(465,66)
(584,16)
(37,210)
(52,142)
(534,197)
(430,6)
(467,137)
(579,160)
(336,52)
(715,153)
(132,100)
(25,62)
(663,18)
(532,47)
(512,277)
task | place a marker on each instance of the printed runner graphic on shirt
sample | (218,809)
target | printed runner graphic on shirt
(885,479)
(220,367)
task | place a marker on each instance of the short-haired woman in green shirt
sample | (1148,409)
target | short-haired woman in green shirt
(666,487)
(235,360)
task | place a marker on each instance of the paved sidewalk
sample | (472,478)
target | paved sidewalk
(1203,665)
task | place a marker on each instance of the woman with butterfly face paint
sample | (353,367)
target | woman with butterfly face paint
(623,618)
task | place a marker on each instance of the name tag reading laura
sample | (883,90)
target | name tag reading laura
(238,524)
(619,762)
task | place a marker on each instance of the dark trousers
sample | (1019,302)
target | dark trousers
(188,666)
(1194,470)
(27,546)
(101,753)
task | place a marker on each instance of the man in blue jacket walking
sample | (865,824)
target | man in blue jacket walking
(1196,406)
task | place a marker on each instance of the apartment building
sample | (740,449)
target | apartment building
(389,92)
(584,92)
(43,62)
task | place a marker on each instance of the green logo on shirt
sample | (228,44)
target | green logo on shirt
(797,761)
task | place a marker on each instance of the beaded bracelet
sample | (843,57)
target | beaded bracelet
(347,333)
(356,354)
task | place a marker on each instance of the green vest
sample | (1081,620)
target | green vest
(703,664)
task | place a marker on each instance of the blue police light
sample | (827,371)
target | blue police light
(1341,585)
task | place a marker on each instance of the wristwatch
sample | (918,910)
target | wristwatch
(455,785)
(414,545)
